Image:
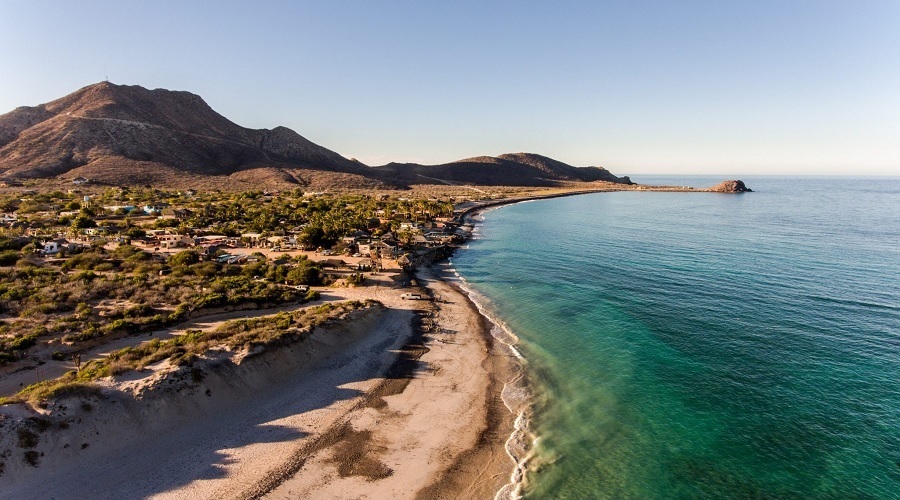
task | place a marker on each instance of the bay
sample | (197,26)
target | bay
(699,345)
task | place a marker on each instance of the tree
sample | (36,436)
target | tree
(304,274)
(82,221)
(135,232)
(184,258)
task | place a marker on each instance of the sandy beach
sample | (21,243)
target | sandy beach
(402,401)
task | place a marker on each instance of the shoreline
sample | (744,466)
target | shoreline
(359,424)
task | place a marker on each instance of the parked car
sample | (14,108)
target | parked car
(412,296)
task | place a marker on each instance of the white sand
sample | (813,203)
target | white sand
(317,420)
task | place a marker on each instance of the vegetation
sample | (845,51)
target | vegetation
(80,269)
(99,293)
(185,349)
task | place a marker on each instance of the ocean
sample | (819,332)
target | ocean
(700,345)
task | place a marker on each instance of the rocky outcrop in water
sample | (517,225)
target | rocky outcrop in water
(735,186)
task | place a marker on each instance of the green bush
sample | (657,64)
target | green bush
(9,257)
(184,258)
(22,342)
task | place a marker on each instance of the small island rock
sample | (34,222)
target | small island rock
(734,186)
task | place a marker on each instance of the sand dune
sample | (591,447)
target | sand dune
(371,407)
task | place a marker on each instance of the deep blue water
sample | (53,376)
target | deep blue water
(699,345)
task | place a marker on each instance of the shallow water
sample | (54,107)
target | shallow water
(698,345)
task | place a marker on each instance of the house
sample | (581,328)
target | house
(252,239)
(119,208)
(212,240)
(155,209)
(364,247)
(57,245)
(174,240)
(355,236)
(382,249)
(274,241)
(365,265)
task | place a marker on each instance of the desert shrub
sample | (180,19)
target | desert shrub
(184,258)
(181,311)
(8,257)
(304,273)
(32,458)
(13,243)
(211,300)
(120,325)
(86,260)
(91,332)
(27,438)
(135,232)
(205,269)
(356,279)
(138,310)
(104,266)
(22,342)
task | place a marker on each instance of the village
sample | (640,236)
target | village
(389,230)
(80,269)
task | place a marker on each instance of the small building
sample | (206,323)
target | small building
(57,245)
(174,241)
(382,249)
(252,239)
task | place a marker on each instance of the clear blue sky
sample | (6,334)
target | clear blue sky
(754,87)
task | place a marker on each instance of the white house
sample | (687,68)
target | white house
(53,247)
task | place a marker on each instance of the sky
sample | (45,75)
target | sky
(653,87)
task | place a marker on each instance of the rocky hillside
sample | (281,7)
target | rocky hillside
(518,169)
(733,186)
(129,135)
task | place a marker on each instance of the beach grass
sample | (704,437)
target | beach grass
(183,349)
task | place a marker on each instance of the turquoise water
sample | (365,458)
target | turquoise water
(696,345)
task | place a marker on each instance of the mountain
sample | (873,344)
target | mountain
(517,169)
(129,135)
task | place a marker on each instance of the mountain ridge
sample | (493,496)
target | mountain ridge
(127,134)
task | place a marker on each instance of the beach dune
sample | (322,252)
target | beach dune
(399,400)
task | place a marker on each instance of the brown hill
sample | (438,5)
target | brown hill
(517,169)
(127,135)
